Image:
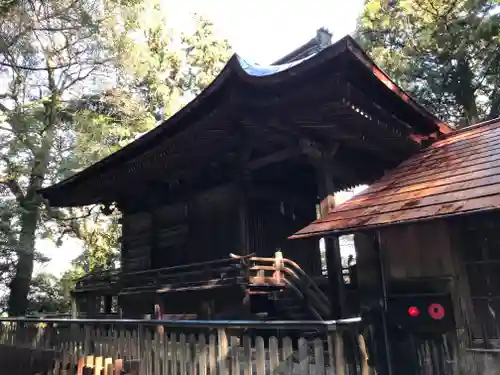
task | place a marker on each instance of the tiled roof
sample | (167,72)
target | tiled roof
(457,175)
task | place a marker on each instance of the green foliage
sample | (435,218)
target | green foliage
(445,53)
(82,79)
(48,295)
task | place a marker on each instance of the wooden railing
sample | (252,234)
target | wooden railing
(200,347)
(248,270)
(291,275)
(16,360)
(202,275)
(103,280)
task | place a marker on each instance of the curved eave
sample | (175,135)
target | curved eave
(237,72)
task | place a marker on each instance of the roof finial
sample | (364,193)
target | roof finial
(324,37)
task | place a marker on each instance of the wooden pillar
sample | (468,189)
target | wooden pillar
(108,304)
(74,306)
(242,179)
(243,216)
(334,267)
(326,189)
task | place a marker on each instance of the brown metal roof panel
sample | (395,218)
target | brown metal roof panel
(415,198)
(345,225)
(457,175)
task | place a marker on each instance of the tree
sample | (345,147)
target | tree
(48,50)
(47,295)
(445,53)
(80,85)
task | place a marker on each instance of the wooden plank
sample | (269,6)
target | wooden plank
(303,356)
(212,354)
(274,357)
(118,367)
(260,355)
(129,343)
(134,368)
(235,364)
(182,353)
(202,355)
(339,354)
(89,361)
(223,351)
(365,369)
(193,355)
(108,366)
(166,353)
(331,354)
(319,359)
(80,366)
(173,353)
(147,343)
(287,355)
(157,353)
(98,365)
(121,343)
(247,355)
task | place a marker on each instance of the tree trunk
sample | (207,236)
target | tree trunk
(494,105)
(20,285)
(464,91)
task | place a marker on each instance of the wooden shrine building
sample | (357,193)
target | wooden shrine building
(428,246)
(254,158)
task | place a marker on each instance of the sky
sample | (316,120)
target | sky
(260,31)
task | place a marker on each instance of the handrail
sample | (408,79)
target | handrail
(183,266)
(315,294)
(195,272)
(324,307)
(329,325)
(301,271)
(300,294)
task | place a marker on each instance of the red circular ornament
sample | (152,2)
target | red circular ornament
(436,311)
(413,311)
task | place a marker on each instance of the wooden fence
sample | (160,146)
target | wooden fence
(197,347)
(28,361)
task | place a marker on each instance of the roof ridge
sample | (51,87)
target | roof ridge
(471,127)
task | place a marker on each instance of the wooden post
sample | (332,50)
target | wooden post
(326,190)
(242,178)
(243,219)
(108,302)
(74,307)
(334,267)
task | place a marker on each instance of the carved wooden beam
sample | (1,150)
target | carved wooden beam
(273,158)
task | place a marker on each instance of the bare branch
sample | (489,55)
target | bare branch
(60,217)
(14,187)
(6,129)
(4,109)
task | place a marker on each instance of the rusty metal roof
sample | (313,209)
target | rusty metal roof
(457,175)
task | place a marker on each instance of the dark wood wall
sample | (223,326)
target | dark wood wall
(477,239)
(136,241)
(271,222)
(201,228)
(207,227)
(416,251)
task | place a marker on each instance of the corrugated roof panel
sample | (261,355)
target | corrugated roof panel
(457,175)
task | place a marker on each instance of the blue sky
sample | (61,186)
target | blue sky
(258,30)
